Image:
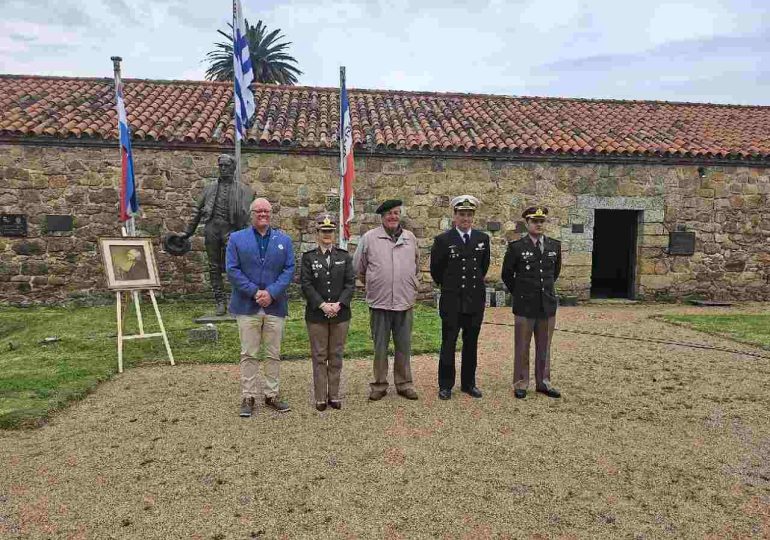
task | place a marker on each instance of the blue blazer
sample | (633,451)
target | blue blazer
(248,274)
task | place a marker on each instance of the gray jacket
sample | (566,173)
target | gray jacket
(388,268)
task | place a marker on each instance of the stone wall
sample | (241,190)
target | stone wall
(727,209)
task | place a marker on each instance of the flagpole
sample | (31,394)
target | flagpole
(342,241)
(235,104)
(129,228)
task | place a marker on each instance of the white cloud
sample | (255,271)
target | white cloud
(602,48)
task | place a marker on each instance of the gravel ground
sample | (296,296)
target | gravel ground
(649,441)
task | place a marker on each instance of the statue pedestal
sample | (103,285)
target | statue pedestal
(215,319)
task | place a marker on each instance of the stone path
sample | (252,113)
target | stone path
(650,441)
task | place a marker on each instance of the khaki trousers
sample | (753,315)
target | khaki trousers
(524,327)
(327,343)
(383,323)
(255,330)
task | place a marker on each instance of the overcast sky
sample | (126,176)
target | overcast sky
(705,50)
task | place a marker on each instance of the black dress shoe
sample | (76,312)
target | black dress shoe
(445,394)
(550,392)
(473,392)
(520,394)
(335,404)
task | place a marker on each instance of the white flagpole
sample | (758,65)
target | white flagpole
(235,103)
(129,227)
(343,243)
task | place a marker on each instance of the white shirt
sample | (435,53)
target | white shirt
(462,233)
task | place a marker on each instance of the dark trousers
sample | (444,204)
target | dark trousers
(216,235)
(470,324)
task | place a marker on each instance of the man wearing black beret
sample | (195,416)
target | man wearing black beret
(530,269)
(386,260)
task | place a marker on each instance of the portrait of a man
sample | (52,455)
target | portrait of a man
(129,263)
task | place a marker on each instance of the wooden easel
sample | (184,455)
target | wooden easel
(141,334)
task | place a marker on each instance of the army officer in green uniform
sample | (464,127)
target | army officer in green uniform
(328,282)
(530,269)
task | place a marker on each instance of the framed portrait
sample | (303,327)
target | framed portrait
(129,263)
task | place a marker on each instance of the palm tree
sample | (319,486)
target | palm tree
(269,60)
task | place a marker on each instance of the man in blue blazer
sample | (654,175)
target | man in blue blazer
(260,266)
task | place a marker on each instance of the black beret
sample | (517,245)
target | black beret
(388,205)
(535,212)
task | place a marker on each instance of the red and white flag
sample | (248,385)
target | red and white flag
(347,172)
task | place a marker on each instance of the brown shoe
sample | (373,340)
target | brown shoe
(376,395)
(276,404)
(409,393)
(247,406)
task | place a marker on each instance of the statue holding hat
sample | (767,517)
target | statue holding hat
(328,283)
(223,207)
(459,261)
(530,269)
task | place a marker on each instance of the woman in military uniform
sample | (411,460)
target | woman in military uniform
(328,283)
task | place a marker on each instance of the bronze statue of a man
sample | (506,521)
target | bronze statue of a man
(223,208)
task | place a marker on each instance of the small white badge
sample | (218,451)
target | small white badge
(280,246)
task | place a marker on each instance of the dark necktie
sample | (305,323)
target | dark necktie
(465,237)
(539,246)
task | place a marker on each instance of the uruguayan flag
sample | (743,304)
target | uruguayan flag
(243,73)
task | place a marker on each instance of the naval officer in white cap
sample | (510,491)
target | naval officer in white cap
(459,260)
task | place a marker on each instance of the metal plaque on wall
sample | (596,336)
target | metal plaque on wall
(59,223)
(681,243)
(13,225)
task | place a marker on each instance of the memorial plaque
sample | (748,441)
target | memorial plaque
(58,223)
(13,225)
(577,228)
(493,226)
(332,204)
(681,243)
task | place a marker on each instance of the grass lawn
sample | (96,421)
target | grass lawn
(37,379)
(753,329)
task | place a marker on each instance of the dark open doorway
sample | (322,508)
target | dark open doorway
(613,269)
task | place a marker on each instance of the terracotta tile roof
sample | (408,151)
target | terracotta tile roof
(306,118)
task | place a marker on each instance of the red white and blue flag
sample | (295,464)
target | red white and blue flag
(129,204)
(347,172)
